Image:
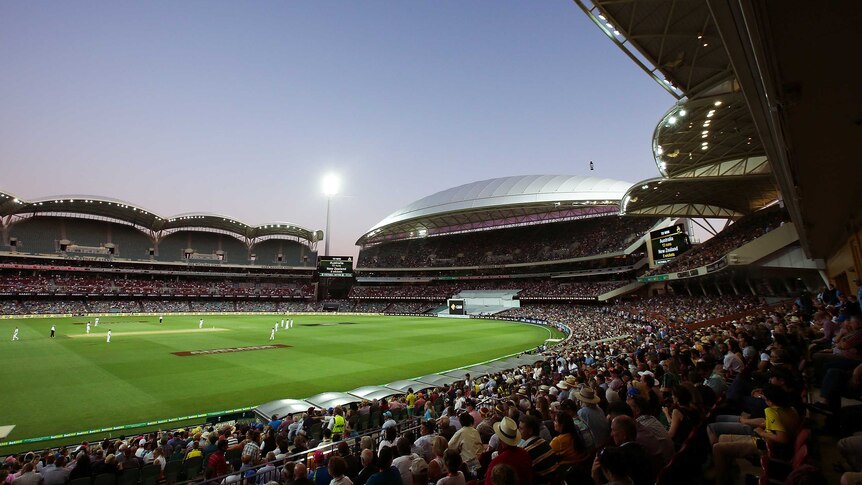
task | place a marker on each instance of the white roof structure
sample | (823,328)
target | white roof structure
(501,202)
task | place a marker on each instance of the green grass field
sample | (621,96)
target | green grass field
(76,382)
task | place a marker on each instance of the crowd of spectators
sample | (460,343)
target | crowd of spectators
(113,306)
(527,289)
(165,306)
(544,242)
(684,309)
(615,402)
(68,283)
(737,234)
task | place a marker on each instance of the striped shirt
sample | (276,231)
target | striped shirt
(543,457)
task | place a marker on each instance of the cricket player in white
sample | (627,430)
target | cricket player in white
(201,324)
(272,333)
(275,327)
(291,323)
(15,334)
(97,321)
(88,328)
(109,336)
(282,323)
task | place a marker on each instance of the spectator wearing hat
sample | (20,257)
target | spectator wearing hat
(509,453)
(486,424)
(419,472)
(318,471)
(389,421)
(592,415)
(542,457)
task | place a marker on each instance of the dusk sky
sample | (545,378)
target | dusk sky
(240,108)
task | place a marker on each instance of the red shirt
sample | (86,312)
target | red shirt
(217,465)
(518,459)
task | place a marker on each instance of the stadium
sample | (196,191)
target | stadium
(700,326)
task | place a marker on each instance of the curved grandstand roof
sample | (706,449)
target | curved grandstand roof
(709,136)
(71,205)
(499,202)
(674,41)
(719,197)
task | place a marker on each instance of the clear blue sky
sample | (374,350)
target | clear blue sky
(239,108)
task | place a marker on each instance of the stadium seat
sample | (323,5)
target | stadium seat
(192,467)
(105,479)
(130,476)
(172,471)
(81,481)
(150,474)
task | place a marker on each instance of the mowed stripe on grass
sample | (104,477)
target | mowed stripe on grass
(71,384)
(148,332)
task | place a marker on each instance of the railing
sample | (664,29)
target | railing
(410,424)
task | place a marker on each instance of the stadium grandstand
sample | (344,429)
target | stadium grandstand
(667,360)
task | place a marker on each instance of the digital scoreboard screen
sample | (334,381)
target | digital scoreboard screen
(668,243)
(335,266)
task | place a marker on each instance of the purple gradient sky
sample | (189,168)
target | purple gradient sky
(238,108)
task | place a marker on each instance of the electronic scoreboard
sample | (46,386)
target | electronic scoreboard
(668,243)
(335,266)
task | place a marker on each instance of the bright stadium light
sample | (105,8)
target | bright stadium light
(330,188)
(330,184)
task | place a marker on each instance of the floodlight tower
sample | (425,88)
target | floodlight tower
(330,188)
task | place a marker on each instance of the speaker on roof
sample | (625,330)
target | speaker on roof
(13,241)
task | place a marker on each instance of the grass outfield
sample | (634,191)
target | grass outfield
(76,382)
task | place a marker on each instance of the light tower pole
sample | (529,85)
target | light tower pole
(330,188)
